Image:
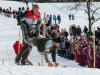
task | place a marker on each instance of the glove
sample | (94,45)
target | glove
(50,64)
(39,21)
(19,23)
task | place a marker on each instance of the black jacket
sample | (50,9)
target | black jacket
(85,30)
(67,45)
(78,31)
(0,9)
(66,34)
(74,30)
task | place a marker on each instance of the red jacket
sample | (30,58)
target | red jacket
(30,15)
(15,46)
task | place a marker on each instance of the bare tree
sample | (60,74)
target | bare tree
(88,7)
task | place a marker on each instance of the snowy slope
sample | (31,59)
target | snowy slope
(9,34)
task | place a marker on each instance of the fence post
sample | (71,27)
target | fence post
(94,61)
(42,62)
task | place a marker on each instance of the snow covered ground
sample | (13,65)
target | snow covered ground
(9,34)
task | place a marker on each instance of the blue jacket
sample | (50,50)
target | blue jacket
(27,2)
(72,15)
(54,17)
(59,18)
(62,45)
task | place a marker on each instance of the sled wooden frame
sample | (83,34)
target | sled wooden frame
(42,61)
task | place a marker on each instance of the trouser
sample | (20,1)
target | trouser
(63,53)
(59,52)
(68,54)
(59,21)
(72,56)
(54,21)
(75,36)
(24,53)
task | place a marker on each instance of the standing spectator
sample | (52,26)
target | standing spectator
(78,32)
(70,32)
(59,19)
(47,20)
(74,30)
(54,19)
(0,10)
(73,18)
(70,16)
(68,53)
(65,33)
(97,33)
(85,30)
(23,9)
(50,19)
(62,47)
(72,50)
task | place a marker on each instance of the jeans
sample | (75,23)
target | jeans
(68,54)
(59,53)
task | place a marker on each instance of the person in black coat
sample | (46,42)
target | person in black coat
(74,30)
(67,44)
(78,32)
(50,19)
(0,10)
(97,33)
(65,33)
(85,30)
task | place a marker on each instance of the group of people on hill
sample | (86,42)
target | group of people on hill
(9,12)
(71,17)
(51,19)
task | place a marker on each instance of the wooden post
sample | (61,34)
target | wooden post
(94,62)
(19,42)
(44,25)
(2,62)
(39,64)
(42,62)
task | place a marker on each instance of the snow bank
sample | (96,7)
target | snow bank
(31,70)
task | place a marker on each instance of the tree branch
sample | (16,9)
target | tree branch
(95,11)
(95,21)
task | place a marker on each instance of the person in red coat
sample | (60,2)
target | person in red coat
(16,46)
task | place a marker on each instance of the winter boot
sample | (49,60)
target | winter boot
(25,60)
(22,52)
